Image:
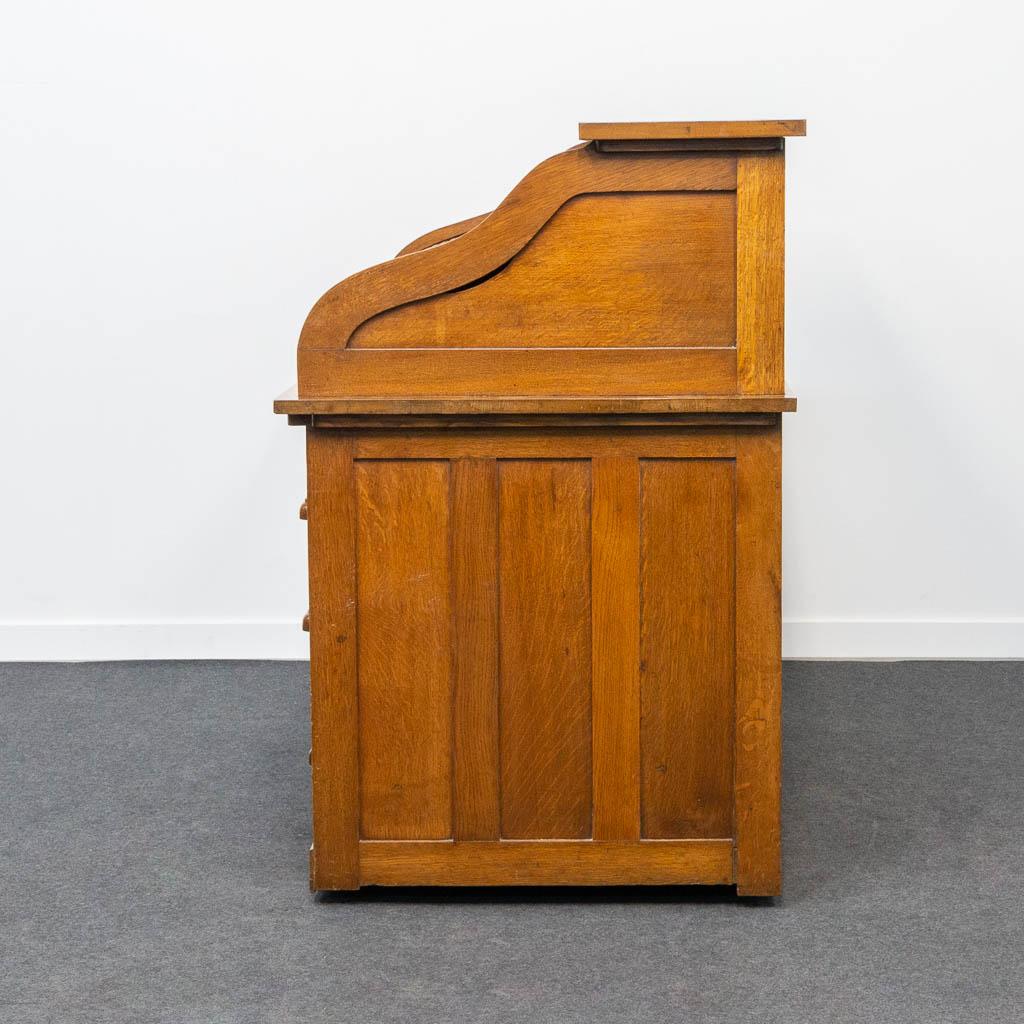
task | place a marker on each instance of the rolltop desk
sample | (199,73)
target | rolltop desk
(543,456)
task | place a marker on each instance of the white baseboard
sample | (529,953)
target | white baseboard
(151,641)
(142,641)
(893,639)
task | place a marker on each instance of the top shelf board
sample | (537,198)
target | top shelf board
(616,131)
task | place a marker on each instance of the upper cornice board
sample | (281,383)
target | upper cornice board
(636,131)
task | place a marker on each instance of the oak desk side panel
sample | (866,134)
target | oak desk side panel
(544,523)
(529,699)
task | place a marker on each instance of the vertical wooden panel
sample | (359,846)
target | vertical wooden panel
(687,648)
(405,665)
(616,647)
(758,662)
(332,661)
(760,284)
(545,680)
(474,568)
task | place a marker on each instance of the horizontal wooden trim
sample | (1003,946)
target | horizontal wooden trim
(570,443)
(688,145)
(291,404)
(565,422)
(547,862)
(606,130)
(524,372)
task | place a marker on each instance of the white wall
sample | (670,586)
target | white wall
(180,181)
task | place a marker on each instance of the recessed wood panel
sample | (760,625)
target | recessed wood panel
(544,627)
(613,270)
(687,584)
(405,666)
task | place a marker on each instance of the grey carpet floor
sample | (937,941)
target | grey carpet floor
(153,835)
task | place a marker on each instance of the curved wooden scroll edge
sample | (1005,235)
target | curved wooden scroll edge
(440,235)
(460,260)
(497,238)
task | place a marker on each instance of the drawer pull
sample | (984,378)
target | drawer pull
(303,511)
(305,622)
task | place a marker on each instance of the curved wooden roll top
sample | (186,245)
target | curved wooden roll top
(632,273)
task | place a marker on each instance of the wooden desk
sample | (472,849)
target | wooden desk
(544,455)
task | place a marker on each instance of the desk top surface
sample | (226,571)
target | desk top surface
(609,131)
(290,404)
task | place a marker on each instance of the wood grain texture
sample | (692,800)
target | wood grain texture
(550,443)
(616,646)
(405,663)
(334,863)
(498,238)
(758,743)
(444,234)
(687,648)
(290,404)
(707,862)
(760,269)
(619,270)
(418,424)
(544,529)
(545,688)
(532,373)
(606,130)
(475,611)
(687,145)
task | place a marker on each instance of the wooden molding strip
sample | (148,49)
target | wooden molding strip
(514,405)
(536,372)
(540,862)
(560,422)
(687,145)
(717,442)
(609,130)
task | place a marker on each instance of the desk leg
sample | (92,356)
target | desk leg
(332,657)
(758,662)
